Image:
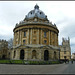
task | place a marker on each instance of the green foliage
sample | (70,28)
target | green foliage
(28,62)
(55,62)
(4,61)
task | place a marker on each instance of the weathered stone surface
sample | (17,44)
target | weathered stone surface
(34,36)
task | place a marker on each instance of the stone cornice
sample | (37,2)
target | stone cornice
(37,46)
(33,23)
(37,25)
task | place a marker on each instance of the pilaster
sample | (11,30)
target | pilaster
(38,37)
(49,37)
(28,37)
(31,37)
(41,36)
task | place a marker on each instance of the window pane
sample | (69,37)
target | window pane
(23,41)
(24,34)
(44,34)
(64,52)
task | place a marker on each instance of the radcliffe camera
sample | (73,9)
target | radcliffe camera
(32,45)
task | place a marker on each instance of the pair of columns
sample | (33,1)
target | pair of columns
(30,35)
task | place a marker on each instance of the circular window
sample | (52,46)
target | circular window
(40,13)
(31,12)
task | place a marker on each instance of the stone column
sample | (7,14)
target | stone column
(57,39)
(21,37)
(11,55)
(26,54)
(41,36)
(17,54)
(28,37)
(18,37)
(40,55)
(54,39)
(14,38)
(38,37)
(31,37)
(49,37)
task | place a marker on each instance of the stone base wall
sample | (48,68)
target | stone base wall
(35,53)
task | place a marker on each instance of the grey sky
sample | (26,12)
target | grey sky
(62,13)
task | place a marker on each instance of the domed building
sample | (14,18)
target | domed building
(35,38)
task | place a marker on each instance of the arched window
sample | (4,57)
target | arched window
(33,54)
(24,41)
(9,53)
(45,41)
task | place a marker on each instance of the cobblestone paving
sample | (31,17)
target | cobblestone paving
(37,69)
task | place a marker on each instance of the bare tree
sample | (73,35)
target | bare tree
(10,43)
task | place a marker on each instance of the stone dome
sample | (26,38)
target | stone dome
(36,13)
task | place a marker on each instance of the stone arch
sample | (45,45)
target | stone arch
(34,54)
(3,56)
(46,55)
(22,54)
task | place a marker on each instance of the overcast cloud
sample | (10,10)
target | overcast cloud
(62,13)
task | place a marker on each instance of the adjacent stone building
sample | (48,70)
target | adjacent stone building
(65,50)
(35,38)
(3,49)
(73,56)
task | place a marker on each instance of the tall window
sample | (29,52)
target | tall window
(44,34)
(24,34)
(24,41)
(64,48)
(64,52)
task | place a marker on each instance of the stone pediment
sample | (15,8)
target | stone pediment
(46,47)
(37,46)
(49,47)
(21,46)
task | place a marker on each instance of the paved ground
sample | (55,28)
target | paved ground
(38,69)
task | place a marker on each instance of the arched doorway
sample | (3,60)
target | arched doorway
(22,54)
(34,54)
(3,57)
(46,55)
